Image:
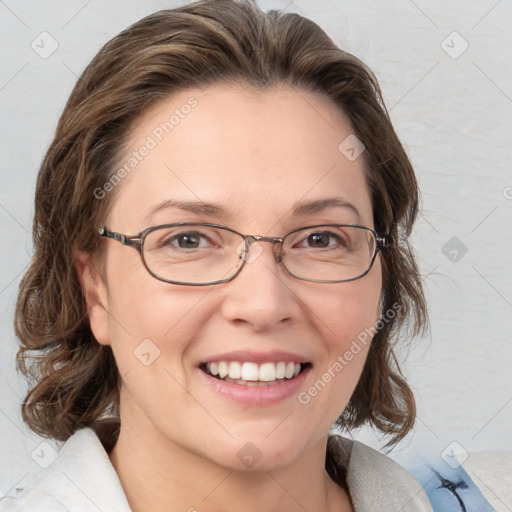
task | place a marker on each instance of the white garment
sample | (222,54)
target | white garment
(83,479)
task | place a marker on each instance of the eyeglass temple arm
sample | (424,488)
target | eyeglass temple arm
(383,242)
(125,240)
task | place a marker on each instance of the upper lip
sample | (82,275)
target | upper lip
(273,356)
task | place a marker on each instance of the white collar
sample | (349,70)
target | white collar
(83,478)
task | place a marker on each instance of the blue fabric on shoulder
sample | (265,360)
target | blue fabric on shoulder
(451,489)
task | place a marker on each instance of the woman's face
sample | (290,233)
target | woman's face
(256,157)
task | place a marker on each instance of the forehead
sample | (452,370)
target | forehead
(256,153)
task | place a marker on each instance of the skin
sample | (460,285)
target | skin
(257,155)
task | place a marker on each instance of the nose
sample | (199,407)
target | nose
(262,295)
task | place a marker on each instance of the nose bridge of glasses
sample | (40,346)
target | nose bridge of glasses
(277,241)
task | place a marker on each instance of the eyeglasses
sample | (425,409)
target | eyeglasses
(201,254)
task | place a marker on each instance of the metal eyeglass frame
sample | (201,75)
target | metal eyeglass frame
(137,242)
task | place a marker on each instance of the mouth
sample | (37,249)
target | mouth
(248,373)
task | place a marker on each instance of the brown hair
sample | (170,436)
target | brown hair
(75,379)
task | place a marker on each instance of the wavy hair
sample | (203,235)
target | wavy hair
(74,380)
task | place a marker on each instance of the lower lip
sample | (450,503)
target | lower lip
(256,395)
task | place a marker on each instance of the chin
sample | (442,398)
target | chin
(263,452)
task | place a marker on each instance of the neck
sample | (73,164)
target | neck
(159,475)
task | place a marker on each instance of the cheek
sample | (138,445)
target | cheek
(153,323)
(346,318)
(348,336)
(141,313)
(348,309)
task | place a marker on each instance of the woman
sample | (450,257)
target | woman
(221,270)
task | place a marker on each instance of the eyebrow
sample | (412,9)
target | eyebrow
(310,207)
(300,209)
(189,206)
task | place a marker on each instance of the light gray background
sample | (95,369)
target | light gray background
(451,108)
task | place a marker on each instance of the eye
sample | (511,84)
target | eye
(188,240)
(323,240)
(319,239)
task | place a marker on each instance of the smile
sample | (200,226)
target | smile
(249,373)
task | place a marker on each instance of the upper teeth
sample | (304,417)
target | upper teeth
(252,371)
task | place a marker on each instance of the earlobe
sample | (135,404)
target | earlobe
(94,289)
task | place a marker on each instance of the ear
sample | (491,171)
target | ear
(94,289)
